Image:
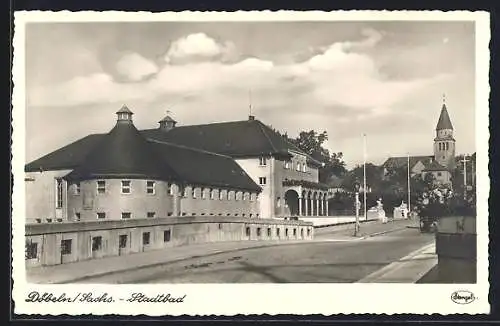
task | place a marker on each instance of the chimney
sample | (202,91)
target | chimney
(251,117)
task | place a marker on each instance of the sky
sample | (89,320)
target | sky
(382,79)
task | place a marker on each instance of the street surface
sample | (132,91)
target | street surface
(334,257)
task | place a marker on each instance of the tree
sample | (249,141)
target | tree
(311,143)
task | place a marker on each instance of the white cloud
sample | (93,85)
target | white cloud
(196,45)
(135,67)
(337,77)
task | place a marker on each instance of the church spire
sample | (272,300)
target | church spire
(444,121)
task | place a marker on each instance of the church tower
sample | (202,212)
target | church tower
(444,143)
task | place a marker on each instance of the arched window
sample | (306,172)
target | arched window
(211,194)
(193,192)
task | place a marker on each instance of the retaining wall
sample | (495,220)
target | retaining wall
(59,243)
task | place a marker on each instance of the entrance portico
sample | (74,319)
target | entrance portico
(305,198)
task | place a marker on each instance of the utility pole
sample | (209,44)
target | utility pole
(465,160)
(356,206)
(409,197)
(364,176)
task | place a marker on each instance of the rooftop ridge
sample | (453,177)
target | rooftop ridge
(187,147)
(261,127)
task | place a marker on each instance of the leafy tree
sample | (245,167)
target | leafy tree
(312,142)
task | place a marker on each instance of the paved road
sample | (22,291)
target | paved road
(335,261)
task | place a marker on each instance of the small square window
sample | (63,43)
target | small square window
(126,187)
(151,214)
(126,215)
(77,188)
(66,246)
(262,161)
(262,181)
(101,187)
(101,215)
(166,235)
(145,238)
(150,187)
(96,243)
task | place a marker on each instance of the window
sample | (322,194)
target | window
(59,201)
(126,215)
(298,166)
(439,174)
(151,214)
(77,216)
(262,181)
(304,167)
(308,232)
(66,246)
(301,233)
(125,186)
(278,232)
(278,202)
(203,193)
(211,194)
(286,232)
(268,232)
(294,232)
(166,236)
(31,250)
(101,187)
(193,192)
(145,238)
(77,188)
(220,225)
(247,231)
(96,243)
(262,161)
(101,215)
(258,232)
(122,241)
(171,189)
(287,164)
(150,187)
(221,195)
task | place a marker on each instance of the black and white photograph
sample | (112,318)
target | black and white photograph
(269,154)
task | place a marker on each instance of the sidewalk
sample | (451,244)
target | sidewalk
(409,269)
(78,271)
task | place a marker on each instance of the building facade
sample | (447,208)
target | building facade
(441,163)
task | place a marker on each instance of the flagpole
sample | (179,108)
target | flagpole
(364,175)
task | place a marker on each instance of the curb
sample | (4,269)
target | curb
(383,232)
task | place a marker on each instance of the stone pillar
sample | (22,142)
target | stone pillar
(322,207)
(326,208)
(300,206)
(306,200)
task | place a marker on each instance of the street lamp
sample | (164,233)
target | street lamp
(356,205)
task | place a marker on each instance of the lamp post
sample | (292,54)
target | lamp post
(356,206)
(465,160)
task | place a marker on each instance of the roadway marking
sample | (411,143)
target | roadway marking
(417,264)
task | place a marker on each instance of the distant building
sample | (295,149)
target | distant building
(441,164)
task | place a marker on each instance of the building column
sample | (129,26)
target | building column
(317,206)
(306,213)
(300,206)
(326,208)
(322,211)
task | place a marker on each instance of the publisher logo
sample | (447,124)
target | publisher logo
(462,297)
